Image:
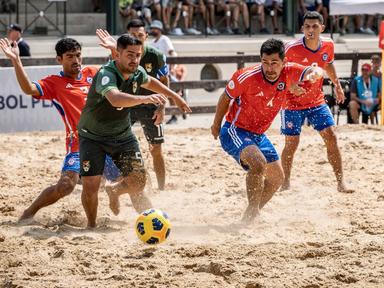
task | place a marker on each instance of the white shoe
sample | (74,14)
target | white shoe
(176,31)
(193,31)
(209,31)
(215,31)
(369,31)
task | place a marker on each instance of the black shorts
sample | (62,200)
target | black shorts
(125,154)
(153,133)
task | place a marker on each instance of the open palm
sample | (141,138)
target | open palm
(10,49)
(107,41)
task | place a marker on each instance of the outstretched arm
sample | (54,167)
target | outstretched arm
(120,99)
(11,50)
(156,86)
(221,110)
(107,41)
(331,72)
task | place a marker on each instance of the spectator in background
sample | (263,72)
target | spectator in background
(211,18)
(239,7)
(365,95)
(308,5)
(14,35)
(189,7)
(376,66)
(175,30)
(160,41)
(126,12)
(275,8)
(257,7)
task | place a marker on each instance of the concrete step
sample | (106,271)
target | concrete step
(77,23)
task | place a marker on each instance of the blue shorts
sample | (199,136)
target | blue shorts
(319,117)
(111,172)
(71,162)
(234,140)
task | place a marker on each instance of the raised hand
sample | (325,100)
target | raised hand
(106,40)
(10,49)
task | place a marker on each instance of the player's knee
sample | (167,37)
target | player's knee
(257,167)
(353,105)
(65,187)
(136,181)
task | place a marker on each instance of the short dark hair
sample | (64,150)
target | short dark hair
(135,23)
(15,27)
(272,46)
(65,45)
(127,40)
(313,15)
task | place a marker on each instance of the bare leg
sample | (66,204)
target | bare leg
(354,111)
(158,164)
(291,144)
(89,198)
(274,177)
(50,195)
(334,158)
(255,160)
(133,184)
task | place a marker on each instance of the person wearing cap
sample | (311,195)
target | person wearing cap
(160,41)
(365,95)
(14,35)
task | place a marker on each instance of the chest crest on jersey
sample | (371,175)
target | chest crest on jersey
(134,86)
(280,86)
(325,56)
(148,67)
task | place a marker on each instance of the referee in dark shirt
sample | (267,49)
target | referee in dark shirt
(14,34)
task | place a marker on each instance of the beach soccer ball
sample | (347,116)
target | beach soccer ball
(153,226)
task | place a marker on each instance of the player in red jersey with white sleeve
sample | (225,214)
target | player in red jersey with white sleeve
(317,51)
(256,94)
(68,92)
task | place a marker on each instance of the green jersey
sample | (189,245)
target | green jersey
(99,120)
(154,63)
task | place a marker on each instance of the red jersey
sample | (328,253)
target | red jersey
(297,52)
(68,95)
(256,100)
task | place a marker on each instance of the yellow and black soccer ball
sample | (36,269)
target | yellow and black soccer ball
(153,226)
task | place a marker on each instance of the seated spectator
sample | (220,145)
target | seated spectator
(365,95)
(189,7)
(211,18)
(257,7)
(308,5)
(376,66)
(14,35)
(126,12)
(175,30)
(223,7)
(275,8)
(160,41)
(239,7)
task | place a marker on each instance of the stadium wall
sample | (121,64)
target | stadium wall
(20,112)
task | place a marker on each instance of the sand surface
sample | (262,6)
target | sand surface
(309,236)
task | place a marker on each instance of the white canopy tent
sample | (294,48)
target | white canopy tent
(355,7)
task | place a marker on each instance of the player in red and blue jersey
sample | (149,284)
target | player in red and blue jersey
(253,97)
(68,91)
(314,50)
